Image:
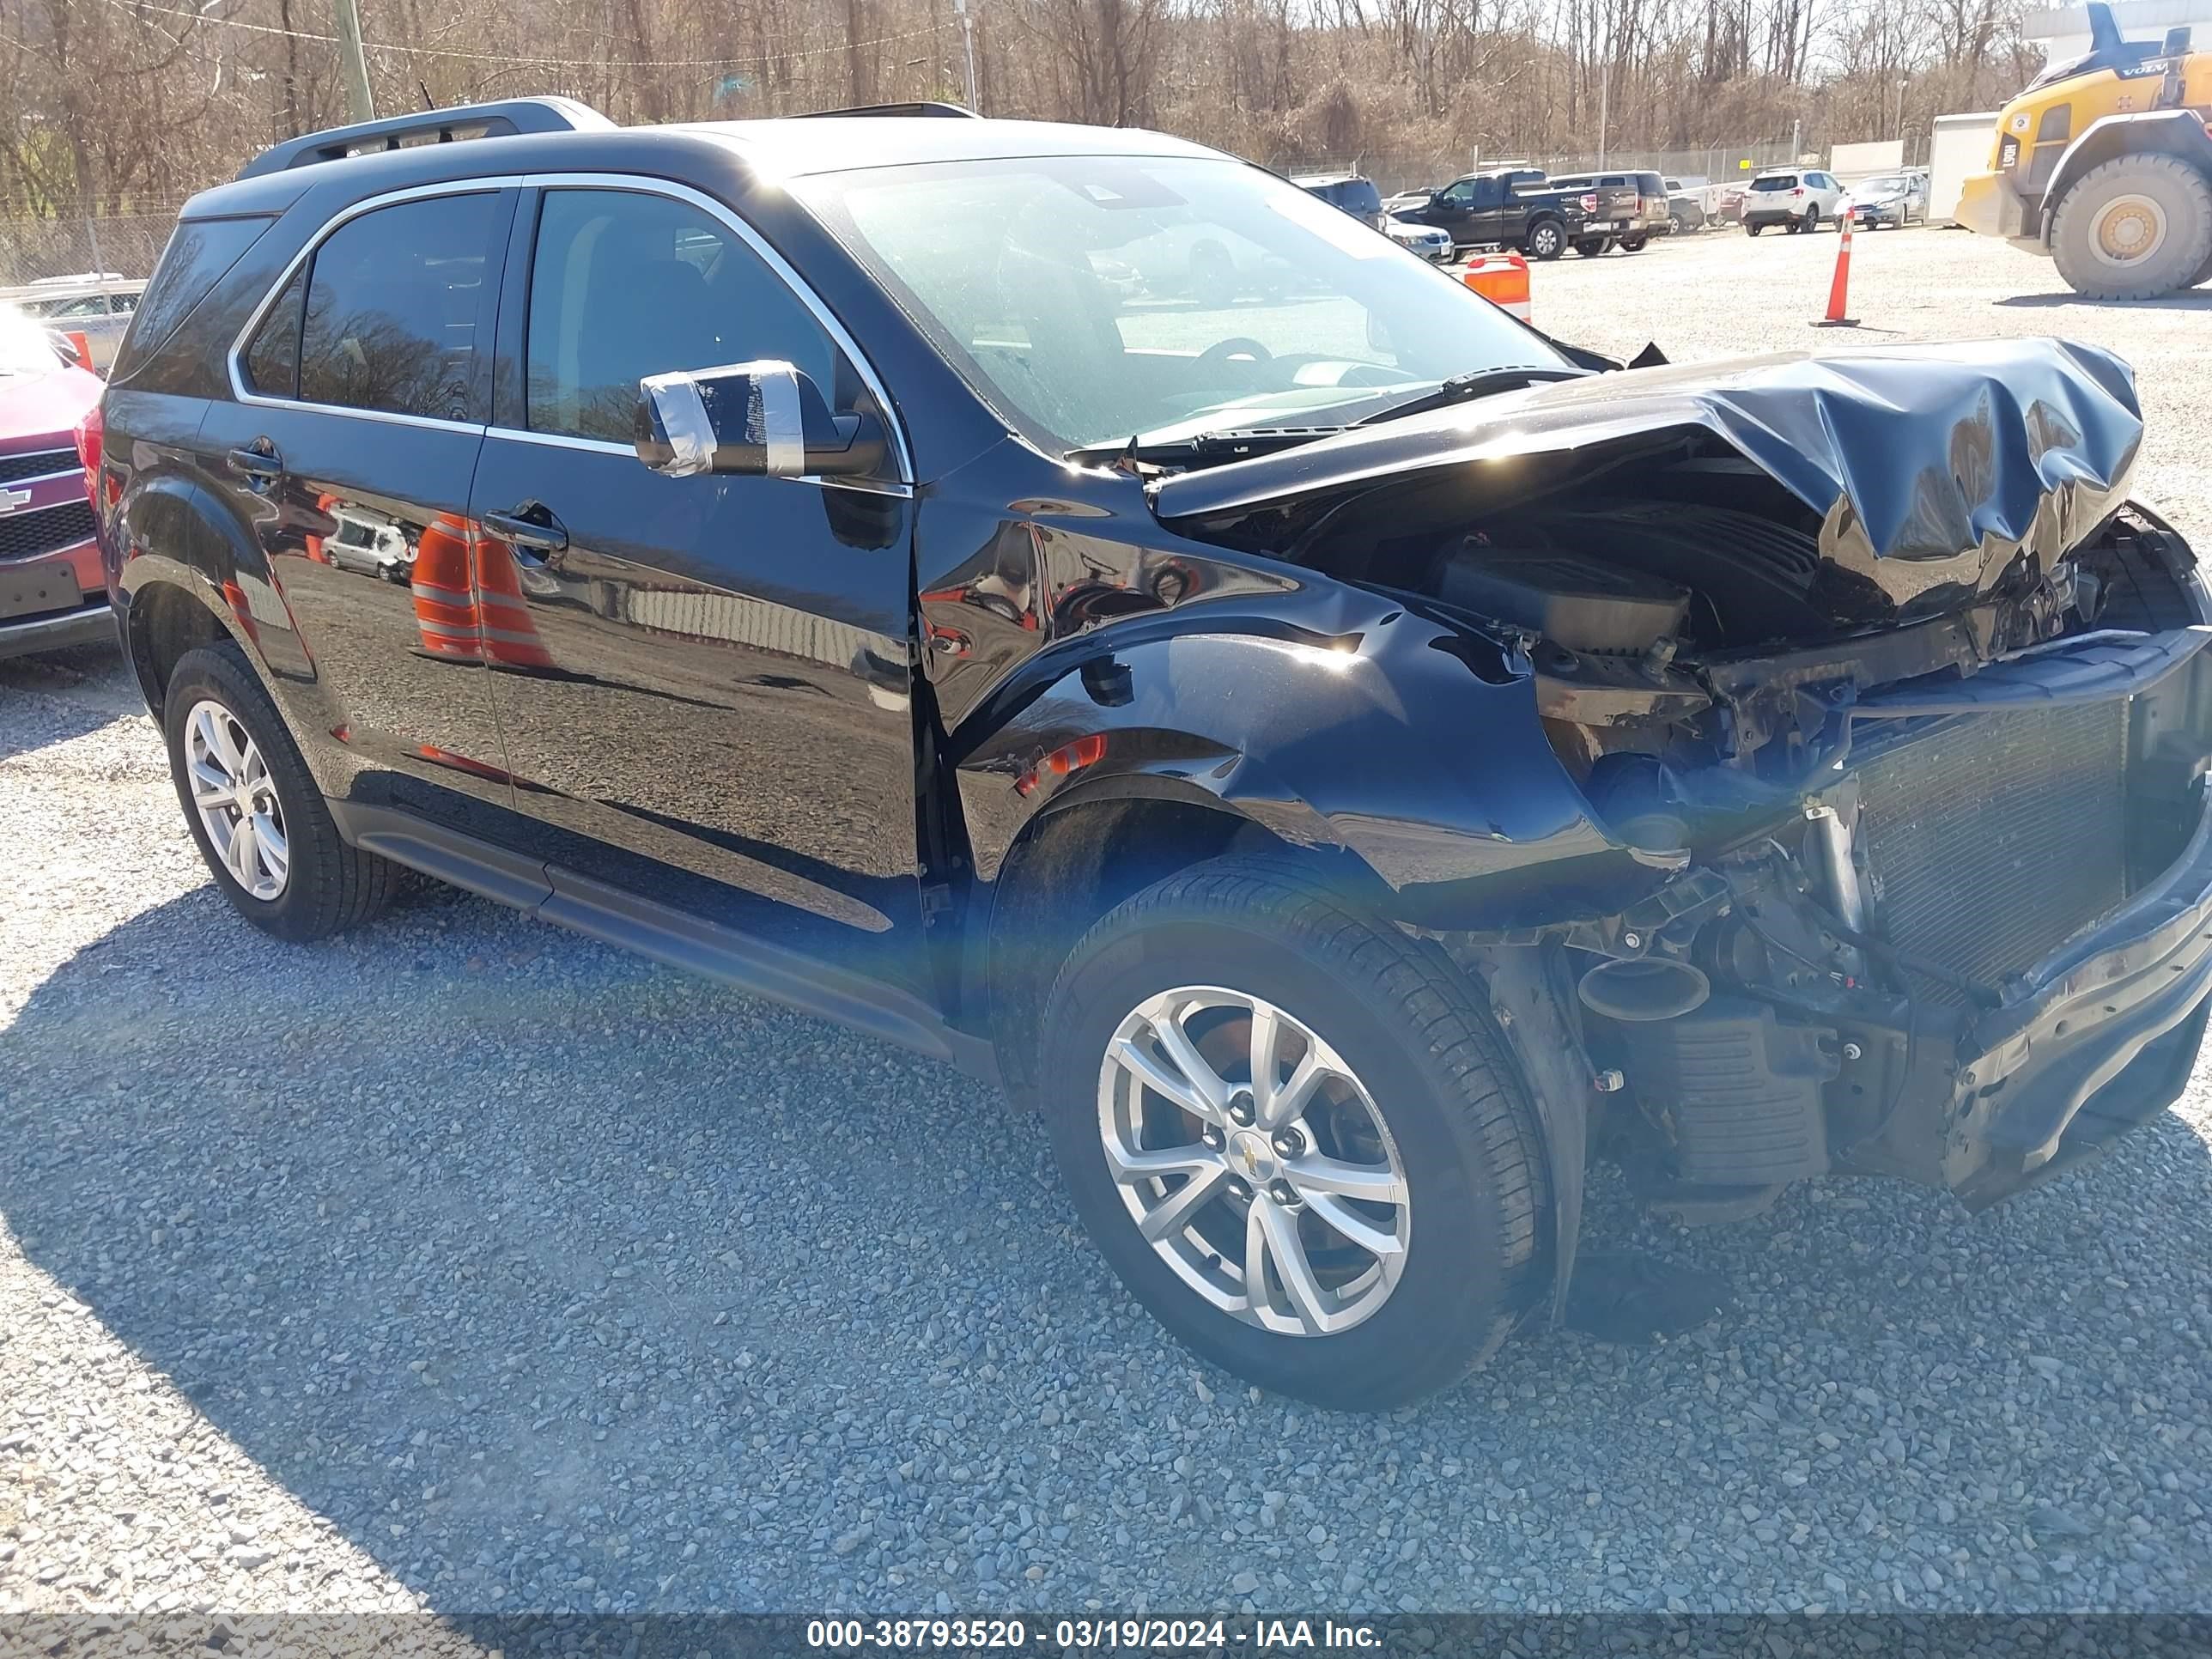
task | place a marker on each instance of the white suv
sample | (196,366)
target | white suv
(1801,198)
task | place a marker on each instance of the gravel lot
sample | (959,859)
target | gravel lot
(465,1265)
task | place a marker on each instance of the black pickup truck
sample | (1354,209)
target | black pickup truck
(1515,208)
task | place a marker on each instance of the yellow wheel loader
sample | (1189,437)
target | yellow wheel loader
(2104,163)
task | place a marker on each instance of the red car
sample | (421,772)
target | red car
(52,591)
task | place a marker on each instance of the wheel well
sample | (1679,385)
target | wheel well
(1069,868)
(166,621)
(2164,133)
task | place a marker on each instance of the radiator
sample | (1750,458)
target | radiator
(1990,841)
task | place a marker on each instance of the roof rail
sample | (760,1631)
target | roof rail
(959,110)
(429,126)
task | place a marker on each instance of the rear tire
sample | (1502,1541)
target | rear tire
(1451,1129)
(1591,247)
(1546,240)
(1634,244)
(1753,230)
(324,886)
(2135,228)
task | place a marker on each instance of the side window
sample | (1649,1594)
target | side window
(1460,194)
(627,283)
(200,252)
(391,313)
(1488,193)
(270,365)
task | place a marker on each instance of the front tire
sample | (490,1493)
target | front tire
(1355,1220)
(2134,228)
(253,808)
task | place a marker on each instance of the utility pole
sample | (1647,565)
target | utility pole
(968,37)
(353,61)
(1604,89)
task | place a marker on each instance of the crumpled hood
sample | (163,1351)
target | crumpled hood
(1928,465)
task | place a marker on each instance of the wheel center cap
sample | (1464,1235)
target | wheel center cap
(1251,1156)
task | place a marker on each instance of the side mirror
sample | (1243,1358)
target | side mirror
(2177,41)
(763,420)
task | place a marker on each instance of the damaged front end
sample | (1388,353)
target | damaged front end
(1872,656)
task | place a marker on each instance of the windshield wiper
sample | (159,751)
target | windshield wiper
(1231,444)
(1482,383)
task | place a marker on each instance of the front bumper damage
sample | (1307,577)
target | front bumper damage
(1784,1034)
(2102,1040)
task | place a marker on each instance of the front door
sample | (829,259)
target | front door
(1453,207)
(347,457)
(703,682)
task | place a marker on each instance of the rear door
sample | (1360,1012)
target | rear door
(362,384)
(703,682)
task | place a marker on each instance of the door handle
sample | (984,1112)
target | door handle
(540,533)
(257,467)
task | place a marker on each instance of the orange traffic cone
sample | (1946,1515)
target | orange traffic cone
(444,600)
(1840,282)
(1501,279)
(510,636)
(469,604)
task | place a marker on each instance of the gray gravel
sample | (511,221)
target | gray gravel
(463,1264)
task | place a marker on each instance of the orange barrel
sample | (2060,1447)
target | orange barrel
(1501,279)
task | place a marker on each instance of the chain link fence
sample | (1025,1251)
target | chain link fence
(121,245)
(1716,164)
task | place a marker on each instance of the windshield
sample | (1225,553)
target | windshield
(25,347)
(1097,299)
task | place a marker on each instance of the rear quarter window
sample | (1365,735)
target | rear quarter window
(200,254)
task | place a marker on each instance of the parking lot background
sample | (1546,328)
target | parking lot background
(463,1264)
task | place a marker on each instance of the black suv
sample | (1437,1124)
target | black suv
(1356,196)
(1340,757)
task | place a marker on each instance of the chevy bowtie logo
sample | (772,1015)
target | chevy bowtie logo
(12,499)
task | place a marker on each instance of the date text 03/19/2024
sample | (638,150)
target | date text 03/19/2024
(1260,1636)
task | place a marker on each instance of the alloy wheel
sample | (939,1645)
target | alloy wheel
(1254,1160)
(236,800)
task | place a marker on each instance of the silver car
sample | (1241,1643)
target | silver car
(1895,199)
(98,307)
(1432,242)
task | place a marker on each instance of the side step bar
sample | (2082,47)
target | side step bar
(617,916)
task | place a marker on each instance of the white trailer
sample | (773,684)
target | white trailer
(1959,145)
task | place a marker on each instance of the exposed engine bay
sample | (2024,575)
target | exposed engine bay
(1904,695)
(1880,830)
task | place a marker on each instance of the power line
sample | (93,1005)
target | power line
(525,59)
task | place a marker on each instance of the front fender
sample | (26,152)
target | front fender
(1341,721)
(2145,131)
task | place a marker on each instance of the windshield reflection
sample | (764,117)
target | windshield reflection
(1103,298)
